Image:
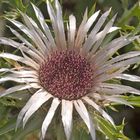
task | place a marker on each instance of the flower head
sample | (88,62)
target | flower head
(71,69)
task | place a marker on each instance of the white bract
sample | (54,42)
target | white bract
(69,67)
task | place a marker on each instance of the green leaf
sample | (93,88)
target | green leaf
(92,10)
(128,27)
(124,3)
(17,99)
(18,4)
(59,131)
(80,134)
(133,100)
(128,14)
(3,115)
(8,102)
(34,124)
(112,132)
(80,131)
(9,126)
(3,111)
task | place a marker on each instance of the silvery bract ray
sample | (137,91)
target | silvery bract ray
(68,68)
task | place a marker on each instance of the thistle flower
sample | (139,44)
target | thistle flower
(71,69)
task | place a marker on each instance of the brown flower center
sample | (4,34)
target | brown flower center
(66,75)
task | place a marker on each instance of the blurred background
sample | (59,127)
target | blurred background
(128,19)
